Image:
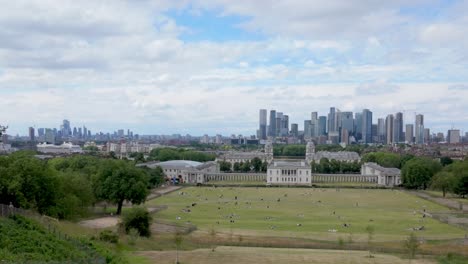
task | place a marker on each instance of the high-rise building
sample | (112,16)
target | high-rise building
(375,138)
(347,122)
(263,124)
(409,134)
(398,128)
(381,131)
(294,130)
(453,136)
(272,125)
(49,136)
(332,120)
(32,136)
(66,129)
(389,123)
(366,126)
(427,135)
(322,125)
(314,125)
(307,129)
(279,118)
(358,126)
(419,129)
(40,132)
(285,126)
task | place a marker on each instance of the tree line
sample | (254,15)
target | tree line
(66,187)
(255,165)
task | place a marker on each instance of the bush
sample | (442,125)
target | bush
(139,219)
(109,236)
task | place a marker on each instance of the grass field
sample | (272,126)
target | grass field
(305,213)
(228,255)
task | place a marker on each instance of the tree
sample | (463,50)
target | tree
(225,166)
(461,186)
(257,164)
(237,166)
(137,218)
(446,161)
(411,244)
(418,172)
(119,181)
(156,176)
(443,181)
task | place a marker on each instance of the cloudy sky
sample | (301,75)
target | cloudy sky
(208,66)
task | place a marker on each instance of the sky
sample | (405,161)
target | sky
(208,66)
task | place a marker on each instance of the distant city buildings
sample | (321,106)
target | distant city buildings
(346,127)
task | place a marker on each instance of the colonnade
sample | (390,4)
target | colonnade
(343,178)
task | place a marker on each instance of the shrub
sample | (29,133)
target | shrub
(109,236)
(139,219)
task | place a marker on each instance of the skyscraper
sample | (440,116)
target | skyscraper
(272,132)
(409,134)
(389,123)
(453,136)
(358,126)
(366,126)
(381,131)
(347,122)
(322,125)
(314,124)
(331,120)
(427,135)
(294,130)
(307,129)
(32,136)
(263,124)
(419,129)
(398,128)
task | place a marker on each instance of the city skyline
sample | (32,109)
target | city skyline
(206,67)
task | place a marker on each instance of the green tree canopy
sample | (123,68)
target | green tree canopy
(418,172)
(120,181)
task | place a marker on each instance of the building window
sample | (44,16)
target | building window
(307,179)
(307,172)
(277,179)
(271,179)
(300,172)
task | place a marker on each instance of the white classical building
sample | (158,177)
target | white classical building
(237,156)
(389,177)
(347,156)
(289,173)
(186,171)
(65,148)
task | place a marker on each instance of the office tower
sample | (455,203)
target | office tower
(345,136)
(398,128)
(331,120)
(322,125)
(279,118)
(440,137)
(263,124)
(40,132)
(366,126)
(307,129)
(75,132)
(427,135)
(375,138)
(294,130)
(272,130)
(49,136)
(285,126)
(80,132)
(85,132)
(419,129)
(32,136)
(65,128)
(314,125)
(347,122)
(358,126)
(409,134)
(389,123)
(381,131)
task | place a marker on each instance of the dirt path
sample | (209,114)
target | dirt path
(442,201)
(162,191)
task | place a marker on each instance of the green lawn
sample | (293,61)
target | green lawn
(390,212)
(450,196)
